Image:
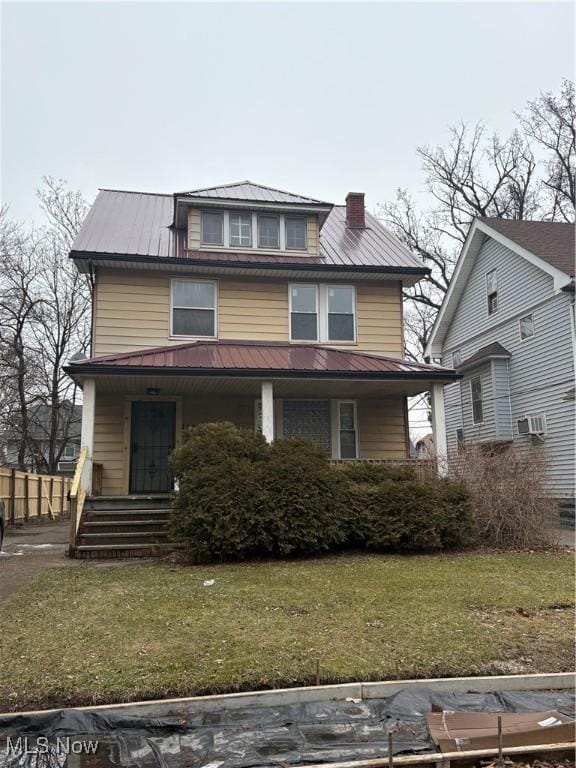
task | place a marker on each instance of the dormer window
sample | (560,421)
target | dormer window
(296,233)
(212,228)
(241,230)
(269,232)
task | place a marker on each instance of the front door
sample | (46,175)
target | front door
(153,426)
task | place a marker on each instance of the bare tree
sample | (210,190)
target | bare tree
(478,174)
(44,321)
(550,122)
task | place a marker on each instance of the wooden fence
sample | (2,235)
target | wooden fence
(28,496)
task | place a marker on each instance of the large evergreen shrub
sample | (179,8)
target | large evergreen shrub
(241,498)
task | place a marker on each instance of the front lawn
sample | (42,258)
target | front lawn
(96,633)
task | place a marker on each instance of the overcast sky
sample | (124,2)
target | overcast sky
(314,98)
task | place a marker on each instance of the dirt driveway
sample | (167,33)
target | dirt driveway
(30,549)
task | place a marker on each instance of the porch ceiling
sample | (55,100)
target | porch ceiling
(251,387)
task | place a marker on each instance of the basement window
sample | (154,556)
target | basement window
(194,308)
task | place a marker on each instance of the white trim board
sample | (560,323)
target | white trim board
(474,240)
(360,690)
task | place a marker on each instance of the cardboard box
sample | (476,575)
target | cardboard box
(462,731)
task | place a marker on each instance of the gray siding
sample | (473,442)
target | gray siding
(541,368)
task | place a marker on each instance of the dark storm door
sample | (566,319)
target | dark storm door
(153,426)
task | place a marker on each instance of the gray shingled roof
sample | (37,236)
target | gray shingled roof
(138,224)
(249,190)
(549,240)
(485,353)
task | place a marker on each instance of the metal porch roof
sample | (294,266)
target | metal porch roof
(258,358)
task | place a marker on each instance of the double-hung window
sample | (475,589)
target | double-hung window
(340,307)
(330,310)
(269,232)
(212,228)
(347,431)
(241,230)
(492,291)
(304,312)
(477,405)
(194,308)
(526,327)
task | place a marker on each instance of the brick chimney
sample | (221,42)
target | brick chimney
(355,210)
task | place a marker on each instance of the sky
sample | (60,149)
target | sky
(315,98)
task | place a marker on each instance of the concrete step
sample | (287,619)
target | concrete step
(113,515)
(113,523)
(161,501)
(126,540)
(124,550)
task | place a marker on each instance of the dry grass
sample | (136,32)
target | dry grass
(115,633)
(509,498)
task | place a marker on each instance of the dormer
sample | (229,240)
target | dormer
(251,219)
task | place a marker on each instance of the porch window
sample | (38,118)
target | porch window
(340,313)
(347,429)
(304,312)
(212,227)
(477,405)
(194,308)
(241,229)
(309,419)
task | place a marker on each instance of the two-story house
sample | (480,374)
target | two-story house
(507,325)
(244,303)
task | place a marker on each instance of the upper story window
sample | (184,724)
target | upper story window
(456,358)
(212,227)
(477,405)
(296,233)
(324,313)
(193,308)
(269,232)
(241,229)
(526,327)
(304,312)
(492,291)
(249,229)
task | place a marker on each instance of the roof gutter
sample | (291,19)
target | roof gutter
(251,373)
(104,257)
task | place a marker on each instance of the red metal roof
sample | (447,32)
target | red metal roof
(244,358)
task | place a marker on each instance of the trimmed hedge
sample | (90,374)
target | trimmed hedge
(241,498)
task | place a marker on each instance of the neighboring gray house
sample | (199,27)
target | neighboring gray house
(40,416)
(507,325)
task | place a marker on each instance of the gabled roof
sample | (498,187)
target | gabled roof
(549,240)
(250,191)
(243,358)
(502,232)
(489,352)
(137,225)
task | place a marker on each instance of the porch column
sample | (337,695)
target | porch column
(268,410)
(439,427)
(87,440)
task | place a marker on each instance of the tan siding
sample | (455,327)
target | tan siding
(381,429)
(133,312)
(109,441)
(202,409)
(313,244)
(194,229)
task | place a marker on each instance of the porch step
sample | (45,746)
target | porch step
(124,526)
